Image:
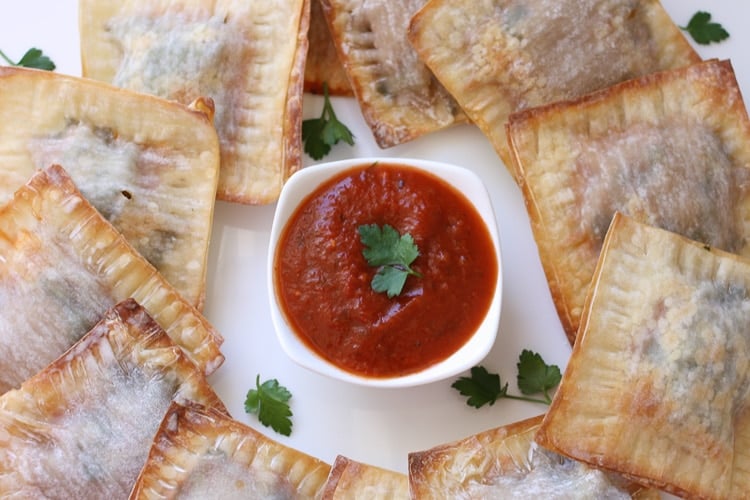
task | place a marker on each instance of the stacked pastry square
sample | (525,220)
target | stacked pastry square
(633,157)
(631,152)
(108,202)
(108,196)
(249,57)
(613,128)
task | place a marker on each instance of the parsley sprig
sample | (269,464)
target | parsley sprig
(392,253)
(270,401)
(320,134)
(33,58)
(703,30)
(534,377)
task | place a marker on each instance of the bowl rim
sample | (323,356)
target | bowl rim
(306,180)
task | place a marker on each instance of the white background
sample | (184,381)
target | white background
(377,426)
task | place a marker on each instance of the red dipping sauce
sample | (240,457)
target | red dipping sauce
(323,281)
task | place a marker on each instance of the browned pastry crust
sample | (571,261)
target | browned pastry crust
(671,149)
(399,97)
(82,427)
(62,265)
(501,463)
(323,64)
(503,56)
(350,479)
(200,452)
(148,165)
(248,56)
(657,384)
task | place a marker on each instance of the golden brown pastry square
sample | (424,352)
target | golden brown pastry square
(323,65)
(148,165)
(671,149)
(399,96)
(82,427)
(247,55)
(503,56)
(657,384)
(504,462)
(62,265)
(350,479)
(200,452)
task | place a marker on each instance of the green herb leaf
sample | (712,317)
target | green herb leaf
(482,387)
(335,131)
(703,30)
(390,280)
(320,134)
(535,376)
(269,401)
(312,131)
(33,58)
(392,253)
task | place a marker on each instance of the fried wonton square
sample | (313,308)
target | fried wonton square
(399,96)
(504,462)
(148,165)
(350,479)
(62,265)
(246,55)
(200,452)
(82,427)
(503,56)
(671,149)
(657,386)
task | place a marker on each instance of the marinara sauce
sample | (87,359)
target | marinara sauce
(323,279)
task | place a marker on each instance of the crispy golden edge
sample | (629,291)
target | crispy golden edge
(424,464)
(350,479)
(376,114)
(99,243)
(508,449)
(295,96)
(291,148)
(190,430)
(200,112)
(546,435)
(141,334)
(716,76)
(134,338)
(289,144)
(672,43)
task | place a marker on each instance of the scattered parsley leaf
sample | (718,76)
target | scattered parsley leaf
(482,387)
(534,376)
(392,253)
(269,401)
(319,134)
(703,30)
(33,58)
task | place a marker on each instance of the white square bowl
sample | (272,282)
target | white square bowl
(303,183)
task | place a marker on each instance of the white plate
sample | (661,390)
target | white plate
(377,426)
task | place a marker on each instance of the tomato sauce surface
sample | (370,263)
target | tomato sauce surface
(323,279)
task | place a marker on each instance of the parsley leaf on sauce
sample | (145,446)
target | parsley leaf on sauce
(392,253)
(33,58)
(269,401)
(534,377)
(703,30)
(320,134)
